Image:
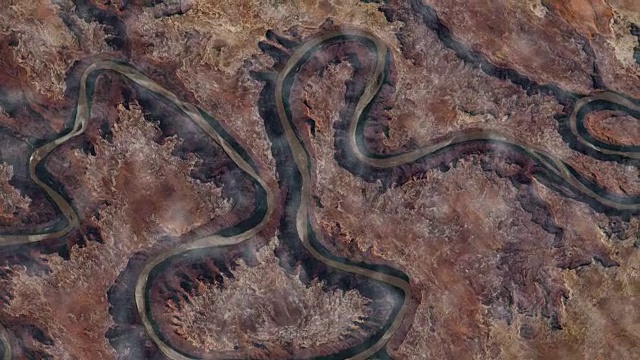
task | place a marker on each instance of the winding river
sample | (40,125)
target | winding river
(553,167)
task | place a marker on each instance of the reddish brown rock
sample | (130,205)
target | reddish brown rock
(613,127)
(500,265)
(522,36)
(121,177)
(265,312)
(13,203)
(589,17)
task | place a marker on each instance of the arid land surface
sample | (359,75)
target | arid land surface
(501,265)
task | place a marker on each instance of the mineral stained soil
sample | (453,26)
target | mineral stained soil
(474,251)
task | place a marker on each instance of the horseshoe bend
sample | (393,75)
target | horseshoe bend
(319,179)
